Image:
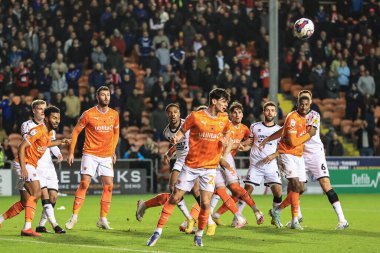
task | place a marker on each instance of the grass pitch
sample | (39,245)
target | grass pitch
(129,235)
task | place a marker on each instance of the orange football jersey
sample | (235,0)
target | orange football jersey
(294,135)
(39,139)
(205,148)
(238,133)
(100,131)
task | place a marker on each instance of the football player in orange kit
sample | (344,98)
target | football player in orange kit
(207,130)
(101,138)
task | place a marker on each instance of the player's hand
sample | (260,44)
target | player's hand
(166,160)
(70,159)
(60,158)
(224,141)
(312,131)
(269,158)
(232,171)
(114,158)
(66,142)
(174,140)
(263,143)
(24,174)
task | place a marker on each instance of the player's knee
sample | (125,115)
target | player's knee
(248,188)
(84,185)
(174,200)
(195,192)
(36,194)
(205,204)
(108,188)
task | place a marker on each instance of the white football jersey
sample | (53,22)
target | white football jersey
(315,143)
(182,146)
(259,132)
(25,128)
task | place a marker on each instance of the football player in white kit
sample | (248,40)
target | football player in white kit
(46,173)
(316,165)
(262,162)
(181,148)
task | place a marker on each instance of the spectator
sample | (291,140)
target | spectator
(366,84)
(72,107)
(158,121)
(44,82)
(149,81)
(332,86)
(365,140)
(72,78)
(97,77)
(133,153)
(177,57)
(135,105)
(75,54)
(14,57)
(159,39)
(58,66)
(343,76)
(6,107)
(98,56)
(118,41)
(335,147)
(114,78)
(143,48)
(356,102)
(202,61)
(163,55)
(23,79)
(114,60)
(59,83)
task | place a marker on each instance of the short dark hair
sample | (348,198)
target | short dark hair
(236,105)
(269,103)
(217,94)
(171,105)
(102,88)
(304,97)
(51,109)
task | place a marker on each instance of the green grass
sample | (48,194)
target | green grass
(129,235)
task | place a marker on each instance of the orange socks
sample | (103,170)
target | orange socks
(158,200)
(295,200)
(15,209)
(242,193)
(105,201)
(165,214)
(30,209)
(203,217)
(195,209)
(80,195)
(224,208)
(227,200)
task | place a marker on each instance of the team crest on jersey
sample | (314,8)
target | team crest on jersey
(111,118)
(292,123)
(84,168)
(221,124)
(33,132)
(259,130)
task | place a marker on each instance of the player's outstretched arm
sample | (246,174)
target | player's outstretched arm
(179,135)
(226,165)
(276,135)
(59,142)
(270,157)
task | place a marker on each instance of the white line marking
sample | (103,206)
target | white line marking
(80,245)
(345,209)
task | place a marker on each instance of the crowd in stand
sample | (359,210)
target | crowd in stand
(151,53)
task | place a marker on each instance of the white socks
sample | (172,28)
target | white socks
(182,206)
(1,219)
(339,211)
(199,233)
(159,230)
(43,219)
(49,211)
(214,201)
(241,206)
(27,225)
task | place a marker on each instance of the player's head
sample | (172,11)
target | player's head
(201,107)
(270,111)
(236,111)
(305,93)
(38,107)
(173,113)
(103,96)
(219,99)
(52,117)
(304,102)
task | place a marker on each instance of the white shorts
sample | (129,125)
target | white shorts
(32,175)
(48,176)
(316,165)
(268,172)
(179,162)
(188,176)
(90,165)
(223,176)
(293,166)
